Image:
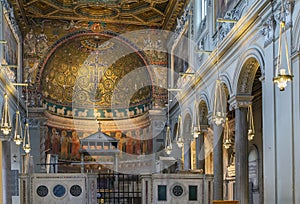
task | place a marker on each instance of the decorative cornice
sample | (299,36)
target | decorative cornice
(92,126)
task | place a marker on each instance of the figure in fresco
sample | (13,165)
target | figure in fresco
(30,43)
(64,144)
(48,140)
(42,44)
(55,141)
(75,146)
(29,74)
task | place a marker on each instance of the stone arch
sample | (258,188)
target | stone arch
(203,112)
(226,80)
(187,122)
(226,92)
(248,64)
(204,97)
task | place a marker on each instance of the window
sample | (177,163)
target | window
(162,192)
(193,192)
(203,9)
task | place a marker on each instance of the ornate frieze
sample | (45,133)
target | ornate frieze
(234,14)
(268,28)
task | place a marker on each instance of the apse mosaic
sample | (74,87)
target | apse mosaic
(95,72)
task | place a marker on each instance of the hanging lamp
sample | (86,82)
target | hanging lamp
(179,138)
(168,144)
(197,127)
(251,131)
(5,120)
(18,129)
(227,140)
(26,141)
(219,108)
(282,75)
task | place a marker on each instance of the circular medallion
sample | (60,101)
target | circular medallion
(75,190)
(74,69)
(108,84)
(59,190)
(60,78)
(80,96)
(70,80)
(83,82)
(42,191)
(177,190)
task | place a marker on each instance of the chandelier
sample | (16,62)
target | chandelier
(227,140)
(26,141)
(5,125)
(18,129)
(219,106)
(197,129)
(168,144)
(179,138)
(251,131)
(282,75)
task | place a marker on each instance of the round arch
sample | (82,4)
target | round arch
(248,64)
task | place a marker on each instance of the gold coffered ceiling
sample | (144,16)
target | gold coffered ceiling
(152,13)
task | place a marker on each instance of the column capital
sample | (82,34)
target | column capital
(239,101)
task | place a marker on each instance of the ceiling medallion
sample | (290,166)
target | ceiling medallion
(97,27)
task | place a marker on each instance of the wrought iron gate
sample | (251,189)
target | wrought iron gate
(119,189)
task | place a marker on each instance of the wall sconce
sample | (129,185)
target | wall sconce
(168,144)
(179,138)
(227,141)
(282,75)
(219,108)
(5,125)
(251,131)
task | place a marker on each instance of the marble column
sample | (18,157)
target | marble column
(187,155)
(218,162)
(240,104)
(241,156)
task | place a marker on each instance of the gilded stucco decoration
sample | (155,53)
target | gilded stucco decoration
(247,76)
(83,74)
(79,13)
